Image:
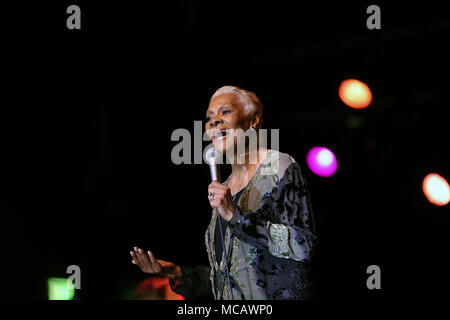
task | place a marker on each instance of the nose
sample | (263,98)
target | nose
(215,122)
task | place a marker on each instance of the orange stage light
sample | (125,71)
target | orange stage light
(355,94)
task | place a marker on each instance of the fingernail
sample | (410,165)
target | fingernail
(132,261)
(131,252)
(140,250)
(135,248)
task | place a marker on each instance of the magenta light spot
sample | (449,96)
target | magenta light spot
(321,161)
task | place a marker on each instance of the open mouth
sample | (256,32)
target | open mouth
(221,134)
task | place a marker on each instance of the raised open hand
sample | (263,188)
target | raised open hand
(149,264)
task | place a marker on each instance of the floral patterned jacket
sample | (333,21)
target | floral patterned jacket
(269,241)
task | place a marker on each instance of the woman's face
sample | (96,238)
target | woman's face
(224,115)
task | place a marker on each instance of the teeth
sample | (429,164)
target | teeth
(221,133)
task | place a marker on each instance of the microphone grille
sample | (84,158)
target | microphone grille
(210,154)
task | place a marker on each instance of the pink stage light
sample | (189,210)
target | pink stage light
(322,161)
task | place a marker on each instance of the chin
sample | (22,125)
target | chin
(221,147)
(224,145)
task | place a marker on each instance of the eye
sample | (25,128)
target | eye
(208,119)
(226,111)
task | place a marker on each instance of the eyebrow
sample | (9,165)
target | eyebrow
(221,107)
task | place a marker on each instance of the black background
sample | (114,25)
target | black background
(87,118)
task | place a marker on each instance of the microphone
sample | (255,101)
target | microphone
(211,156)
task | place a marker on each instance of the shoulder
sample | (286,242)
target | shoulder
(276,163)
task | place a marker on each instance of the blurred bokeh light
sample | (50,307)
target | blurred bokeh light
(321,161)
(436,189)
(58,289)
(355,94)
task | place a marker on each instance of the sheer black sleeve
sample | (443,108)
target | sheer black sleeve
(194,283)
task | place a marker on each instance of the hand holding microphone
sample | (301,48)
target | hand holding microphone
(221,200)
(219,195)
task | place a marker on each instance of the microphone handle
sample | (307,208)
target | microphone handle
(215,173)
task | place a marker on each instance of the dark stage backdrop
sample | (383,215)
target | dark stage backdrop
(88,116)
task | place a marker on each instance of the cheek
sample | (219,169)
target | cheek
(208,131)
(235,121)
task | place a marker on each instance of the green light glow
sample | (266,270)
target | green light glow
(355,122)
(58,289)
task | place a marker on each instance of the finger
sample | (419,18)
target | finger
(216,184)
(216,199)
(213,186)
(152,257)
(138,257)
(217,196)
(135,259)
(214,203)
(143,258)
(216,190)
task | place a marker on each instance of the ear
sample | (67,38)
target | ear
(256,121)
